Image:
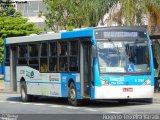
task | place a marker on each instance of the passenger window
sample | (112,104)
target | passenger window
(33,50)
(7,56)
(44,49)
(62,48)
(22,55)
(63,64)
(33,62)
(53,49)
(73,66)
(23,51)
(74,56)
(63,52)
(53,64)
(74,48)
(44,57)
(44,65)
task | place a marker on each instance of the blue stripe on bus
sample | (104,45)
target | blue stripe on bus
(96,72)
(76,34)
(151,58)
(126,80)
(42,82)
(7,80)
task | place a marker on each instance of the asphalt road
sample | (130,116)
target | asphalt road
(58,107)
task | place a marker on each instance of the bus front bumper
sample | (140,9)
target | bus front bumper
(124,92)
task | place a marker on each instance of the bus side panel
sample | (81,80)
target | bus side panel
(46,84)
(32,79)
(75,77)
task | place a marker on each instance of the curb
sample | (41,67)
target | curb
(156,100)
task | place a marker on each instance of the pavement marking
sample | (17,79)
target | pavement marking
(89,109)
(112,112)
(39,104)
(55,106)
(12,102)
(70,107)
(2,101)
(25,103)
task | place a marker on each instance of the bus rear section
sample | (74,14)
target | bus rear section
(124,64)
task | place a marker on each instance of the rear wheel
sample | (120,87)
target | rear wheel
(72,99)
(23,89)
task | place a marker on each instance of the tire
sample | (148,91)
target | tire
(72,99)
(149,100)
(123,101)
(23,89)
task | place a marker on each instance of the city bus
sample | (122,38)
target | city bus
(99,63)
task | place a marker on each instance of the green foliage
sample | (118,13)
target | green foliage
(75,13)
(12,25)
(134,10)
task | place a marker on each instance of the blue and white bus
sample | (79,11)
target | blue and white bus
(101,63)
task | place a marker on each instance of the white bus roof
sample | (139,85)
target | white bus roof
(33,38)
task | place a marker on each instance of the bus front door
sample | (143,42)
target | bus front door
(85,68)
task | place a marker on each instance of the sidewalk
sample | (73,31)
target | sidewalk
(156,98)
(1,85)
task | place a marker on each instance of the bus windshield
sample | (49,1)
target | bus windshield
(130,56)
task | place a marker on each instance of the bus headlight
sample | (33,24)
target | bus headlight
(104,82)
(147,82)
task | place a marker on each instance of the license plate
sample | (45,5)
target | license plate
(127,89)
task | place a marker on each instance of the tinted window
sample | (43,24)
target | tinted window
(63,48)
(73,66)
(74,48)
(33,50)
(23,51)
(53,64)
(7,56)
(63,64)
(44,65)
(44,49)
(53,49)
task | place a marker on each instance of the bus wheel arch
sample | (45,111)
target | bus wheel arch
(72,96)
(23,90)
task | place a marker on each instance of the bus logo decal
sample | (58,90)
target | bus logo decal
(30,74)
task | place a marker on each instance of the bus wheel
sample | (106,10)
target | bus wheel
(123,101)
(23,90)
(72,95)
(149,100)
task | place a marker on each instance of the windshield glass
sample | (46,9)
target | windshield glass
(130,56)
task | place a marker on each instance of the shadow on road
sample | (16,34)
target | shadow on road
(91,104)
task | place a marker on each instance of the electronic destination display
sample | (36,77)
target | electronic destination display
(103,34)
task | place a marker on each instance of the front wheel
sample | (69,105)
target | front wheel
(123,101)
(72,99)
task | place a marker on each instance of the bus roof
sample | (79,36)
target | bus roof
(87,32)
(130,28)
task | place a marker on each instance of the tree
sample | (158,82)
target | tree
(75,13)
(12,25)
(134,11)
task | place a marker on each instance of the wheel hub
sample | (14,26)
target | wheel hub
(72,94)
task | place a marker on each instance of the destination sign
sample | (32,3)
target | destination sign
(119,34)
